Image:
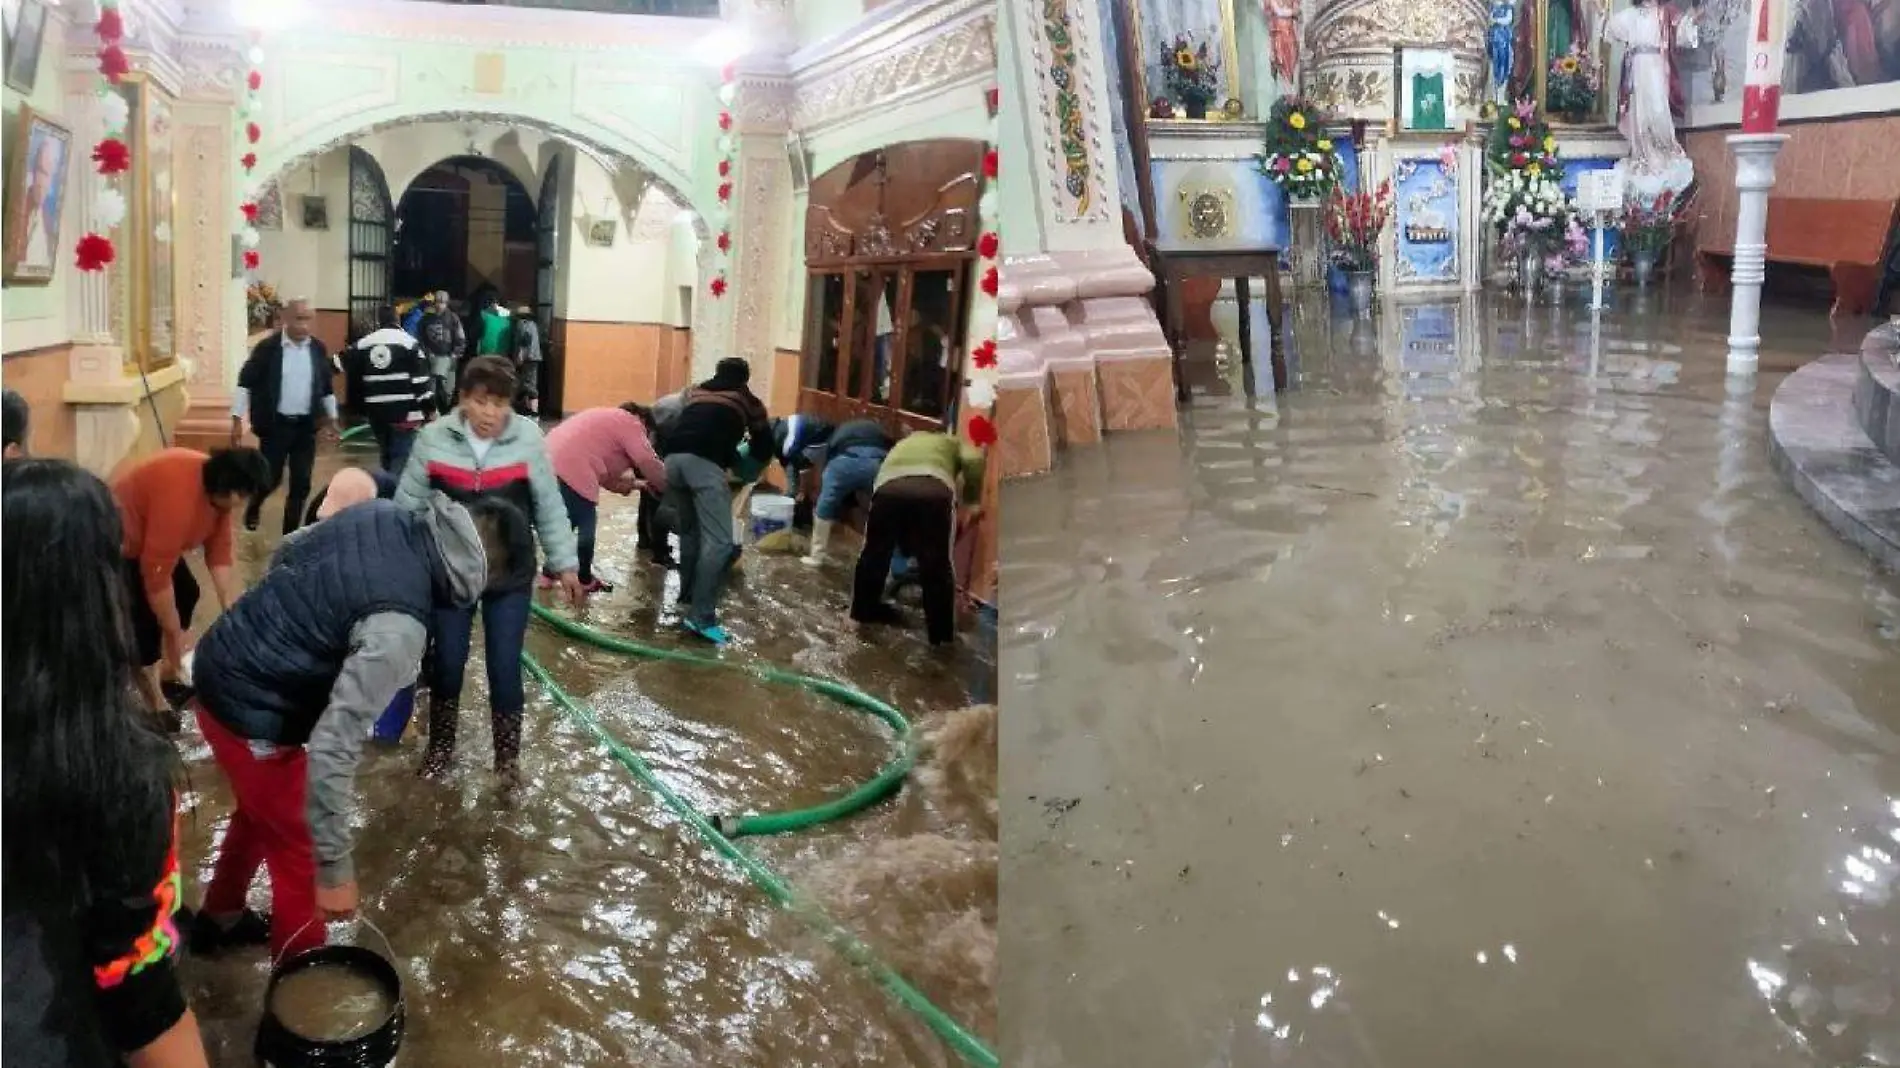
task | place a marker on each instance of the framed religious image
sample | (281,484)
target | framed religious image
(270,207)
(26,33)
(39,158)
(1189,66)
(316,213)
(600,233)
(1426,81)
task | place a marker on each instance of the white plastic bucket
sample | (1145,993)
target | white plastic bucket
(770,513)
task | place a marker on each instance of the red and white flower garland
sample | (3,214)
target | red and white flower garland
(111,156)
(250,111)
(728,152)
(980,374)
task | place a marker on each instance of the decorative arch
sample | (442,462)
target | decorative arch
(613,150)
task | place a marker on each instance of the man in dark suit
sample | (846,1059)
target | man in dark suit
(285,391)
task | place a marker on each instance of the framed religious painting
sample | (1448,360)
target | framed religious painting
(1188,63)
(37,164)
(26,35)
(1426,80)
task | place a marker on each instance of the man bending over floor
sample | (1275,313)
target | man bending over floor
(915,508)
(715,417)
(291,678)
(171,503)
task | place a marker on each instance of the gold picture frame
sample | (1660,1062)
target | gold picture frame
(40,158)
(145,301)
(1229,108)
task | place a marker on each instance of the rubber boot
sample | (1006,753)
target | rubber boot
(820,535)
(507,730)
(441,751)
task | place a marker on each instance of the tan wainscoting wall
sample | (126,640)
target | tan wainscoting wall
(332,327)
(606,364)
(1844,159)
(171,402)
(39,375)
(784,398)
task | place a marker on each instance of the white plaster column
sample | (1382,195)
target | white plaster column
(1754,177)
(1075,292)
(760,219)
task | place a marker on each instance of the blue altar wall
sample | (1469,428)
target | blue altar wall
(1425,203)
(1259,207)
(1573,168)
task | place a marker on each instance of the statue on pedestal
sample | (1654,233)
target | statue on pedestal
(1283,31)
(1651,97)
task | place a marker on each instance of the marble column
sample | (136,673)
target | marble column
(1082,352)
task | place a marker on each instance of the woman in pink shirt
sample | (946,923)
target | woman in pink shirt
(602,448)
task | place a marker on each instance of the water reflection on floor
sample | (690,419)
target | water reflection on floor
(1486,700)
(581,924)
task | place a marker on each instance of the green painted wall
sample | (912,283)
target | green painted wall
(819,19)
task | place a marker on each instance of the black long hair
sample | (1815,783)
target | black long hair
(87,778)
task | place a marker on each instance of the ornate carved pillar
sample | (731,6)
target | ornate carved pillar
(761,219)
(204,164)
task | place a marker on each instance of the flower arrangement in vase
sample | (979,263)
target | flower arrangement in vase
(1647,228)
(1571,89)
(1193,75)
(262,303)
(1353,223)
(1298,155)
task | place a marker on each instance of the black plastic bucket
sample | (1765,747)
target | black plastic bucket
(278,1046)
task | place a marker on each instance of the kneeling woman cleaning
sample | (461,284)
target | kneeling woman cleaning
(481,450)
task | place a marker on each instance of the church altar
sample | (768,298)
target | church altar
(1409,90)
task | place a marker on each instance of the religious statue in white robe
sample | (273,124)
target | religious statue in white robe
(1650,33)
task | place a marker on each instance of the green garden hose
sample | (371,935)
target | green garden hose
(967,1045)
(880,786)
(351,433)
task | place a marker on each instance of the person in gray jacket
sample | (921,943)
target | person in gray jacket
(291,678)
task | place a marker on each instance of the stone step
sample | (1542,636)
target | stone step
(1877,400)
(1818,444)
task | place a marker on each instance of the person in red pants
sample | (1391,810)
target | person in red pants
(291,678)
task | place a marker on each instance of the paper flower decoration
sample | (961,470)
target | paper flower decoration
(251,260)
(725,190)
(252,133)
(109,210)
(989,281)
(249,208)
(249,161)
(113,64)
(718,286)
(987,245)
(112,156)
(984,355)
(989,164)
(982,394)
(725,121)
(92,253)
(110,26)
(255,81)
(114,109)
(248,237)
(724,241)
(725,168)
(982,431)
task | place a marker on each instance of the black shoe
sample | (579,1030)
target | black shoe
(208,936)
(882,614)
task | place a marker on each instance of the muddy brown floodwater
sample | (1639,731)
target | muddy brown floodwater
(580,923)
(1486,700)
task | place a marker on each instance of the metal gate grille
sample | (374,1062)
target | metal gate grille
(370,218)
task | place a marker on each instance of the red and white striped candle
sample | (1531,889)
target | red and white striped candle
(1767,45)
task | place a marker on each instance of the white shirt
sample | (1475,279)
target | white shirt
(480,447)
(298,385)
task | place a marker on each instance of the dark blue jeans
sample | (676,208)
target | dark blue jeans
(394,444)
(504,628)
(584,516)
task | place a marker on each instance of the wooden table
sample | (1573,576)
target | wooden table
(1176,263)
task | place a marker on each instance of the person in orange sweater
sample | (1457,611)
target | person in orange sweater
(173,502)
